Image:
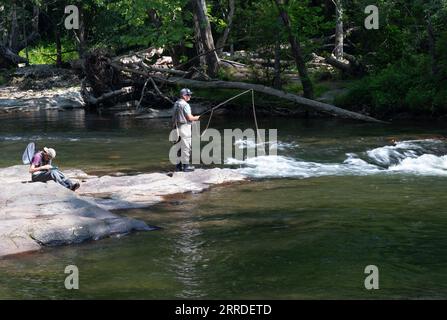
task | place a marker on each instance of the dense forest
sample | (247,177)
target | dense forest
(398,67)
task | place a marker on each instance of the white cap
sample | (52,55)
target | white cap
(50,151)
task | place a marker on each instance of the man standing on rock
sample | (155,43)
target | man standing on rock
(42,171)
(182,119)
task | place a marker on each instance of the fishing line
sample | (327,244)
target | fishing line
(225,102)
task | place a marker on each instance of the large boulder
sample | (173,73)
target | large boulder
(45,214)
(33,215)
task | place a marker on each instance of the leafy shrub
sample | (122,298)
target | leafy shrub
(45,53)
(406,86)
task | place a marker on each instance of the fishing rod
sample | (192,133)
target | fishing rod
(225,102)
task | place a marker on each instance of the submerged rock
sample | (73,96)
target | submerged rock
(33,215)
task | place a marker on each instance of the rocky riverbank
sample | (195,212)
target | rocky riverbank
(33,215)
(40,87)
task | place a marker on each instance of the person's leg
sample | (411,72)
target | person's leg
(186,142)
(42,177)
(178,166)
(60,178)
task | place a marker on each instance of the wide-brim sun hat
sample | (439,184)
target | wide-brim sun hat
(50,151)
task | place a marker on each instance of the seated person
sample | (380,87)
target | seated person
(42,171)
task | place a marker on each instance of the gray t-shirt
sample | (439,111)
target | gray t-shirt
(181,110)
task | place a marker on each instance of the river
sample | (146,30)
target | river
(339,196)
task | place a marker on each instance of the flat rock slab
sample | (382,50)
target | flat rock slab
(146,189)
(14,100)
(33,215)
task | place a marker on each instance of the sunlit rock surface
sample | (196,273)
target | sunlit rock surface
(146,189)
(14,100)
(46,214)
(41,87)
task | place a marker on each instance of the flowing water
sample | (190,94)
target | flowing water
(338,197)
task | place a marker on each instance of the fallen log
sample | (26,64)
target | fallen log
(164,70)
(234,63)
(311,104)
(139,76)
(159,91)
(308,103)
(109,95)
(350,66)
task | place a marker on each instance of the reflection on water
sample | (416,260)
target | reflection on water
(271,238)
(187,254)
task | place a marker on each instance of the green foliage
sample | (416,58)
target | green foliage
(2,80)
(407,86)
(134,26)
(297,88)
(399,56)
(45,53)
(258,24)
(399,59)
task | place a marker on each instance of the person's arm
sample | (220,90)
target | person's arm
(33,168)
(188,113)
(190,117)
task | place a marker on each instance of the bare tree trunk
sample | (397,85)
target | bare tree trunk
(223,40)
(212,60)
(339,37)
(81,35)
(14,35)
(199,44)
(296,51)
(432,47)
(25,37)
(277,78)
(35,22)
(57,35)
(3,28)
(11,44)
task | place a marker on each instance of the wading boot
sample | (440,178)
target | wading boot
(188,168)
